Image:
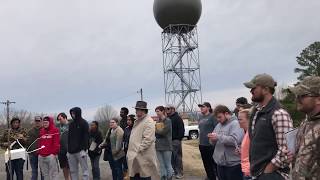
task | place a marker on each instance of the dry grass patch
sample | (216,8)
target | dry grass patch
(192,163)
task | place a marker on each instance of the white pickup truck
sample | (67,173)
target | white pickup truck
(191,131)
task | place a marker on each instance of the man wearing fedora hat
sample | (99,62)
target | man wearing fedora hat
(141,155)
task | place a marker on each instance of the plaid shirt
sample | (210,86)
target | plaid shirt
(282,123)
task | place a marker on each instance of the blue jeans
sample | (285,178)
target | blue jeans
(116,168)
(164,158)
(34,166)
(16,167)
(95,167)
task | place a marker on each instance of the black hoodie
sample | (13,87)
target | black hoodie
(78,136)
(177,126)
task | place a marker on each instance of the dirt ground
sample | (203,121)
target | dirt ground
(193,167)
(192,160)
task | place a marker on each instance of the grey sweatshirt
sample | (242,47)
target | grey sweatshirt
(230,136)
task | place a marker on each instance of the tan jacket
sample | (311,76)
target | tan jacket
(116,138)
(141,154)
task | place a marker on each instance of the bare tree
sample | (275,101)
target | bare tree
(104,115)
(23,115)
(3,119)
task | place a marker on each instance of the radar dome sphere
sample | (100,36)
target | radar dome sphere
(168,12)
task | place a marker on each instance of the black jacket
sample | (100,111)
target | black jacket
(126,138)
(123,122)
(177,127)
(32,142)
(78,136)
(97,138)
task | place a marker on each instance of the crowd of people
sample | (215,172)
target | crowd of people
(247,143)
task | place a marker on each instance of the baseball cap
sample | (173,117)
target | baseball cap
(262,80)
(205,104)
(309,85)
(37,118)
(171,106)
(242,100)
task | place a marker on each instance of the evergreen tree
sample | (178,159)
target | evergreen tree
(309,60)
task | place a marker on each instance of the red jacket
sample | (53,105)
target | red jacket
(50,139)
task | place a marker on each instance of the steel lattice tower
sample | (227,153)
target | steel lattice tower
(181,67)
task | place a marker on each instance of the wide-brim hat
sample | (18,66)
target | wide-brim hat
(141,105)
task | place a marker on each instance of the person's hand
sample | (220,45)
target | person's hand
(83,153)
(20,136)
(213,136)
(289,154)
(270,168)
(101,146)
(237,151)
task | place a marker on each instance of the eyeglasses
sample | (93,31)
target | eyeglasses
(168,109)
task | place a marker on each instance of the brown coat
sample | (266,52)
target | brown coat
(141,155)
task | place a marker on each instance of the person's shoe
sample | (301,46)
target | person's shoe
(126,175)
(179,176)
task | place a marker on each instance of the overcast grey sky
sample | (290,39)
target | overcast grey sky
(59,54)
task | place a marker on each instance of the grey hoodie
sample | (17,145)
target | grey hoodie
(230,135)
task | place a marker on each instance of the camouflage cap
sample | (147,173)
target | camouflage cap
(309,85)
(263,80)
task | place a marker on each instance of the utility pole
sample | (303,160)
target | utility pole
(141,94)
(7,103)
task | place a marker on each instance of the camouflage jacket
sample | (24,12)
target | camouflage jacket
(307,161)
(14,134)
